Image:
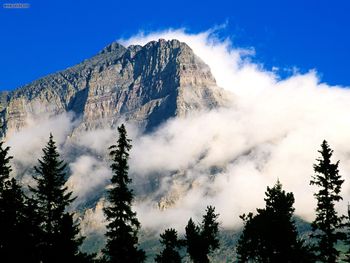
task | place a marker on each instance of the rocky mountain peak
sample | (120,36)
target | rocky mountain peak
(142,84)
(113,47)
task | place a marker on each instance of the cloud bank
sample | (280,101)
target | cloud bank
(225,157)
(273,131)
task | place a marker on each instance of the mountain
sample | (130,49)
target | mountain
(145,85)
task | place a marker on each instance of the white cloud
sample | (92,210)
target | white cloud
(88,176)
(26,144)
(225,157)
(273,131)
(230,66)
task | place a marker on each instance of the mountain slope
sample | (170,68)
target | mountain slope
(145,85)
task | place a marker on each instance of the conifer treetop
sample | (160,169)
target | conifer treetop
(5,168)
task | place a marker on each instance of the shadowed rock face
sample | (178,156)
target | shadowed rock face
(145,85)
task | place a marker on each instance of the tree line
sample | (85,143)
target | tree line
(36,225)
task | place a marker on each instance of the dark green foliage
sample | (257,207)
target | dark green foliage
(123,226)
(11,218)
(327,221)
(193,241)
(271,235)
(346,226)
(32,221)
(5,167)
(50,199)
(171,244)
(202,240)
(68,240)
(6,196)
(210,229)
(12,230)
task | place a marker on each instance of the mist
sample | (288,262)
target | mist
(225,158)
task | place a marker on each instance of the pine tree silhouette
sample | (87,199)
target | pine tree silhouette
(327,221)
(32,230)
(68,240)
(50,200)
(271,235)
(12,231)
(210,229)
(202,240)
(346,226)
(123,226)
(171,244)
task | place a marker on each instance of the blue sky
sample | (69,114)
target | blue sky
(52,35)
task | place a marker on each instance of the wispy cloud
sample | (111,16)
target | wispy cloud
(225,157)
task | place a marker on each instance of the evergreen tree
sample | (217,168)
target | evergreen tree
(210,230)
(193,241)
(50,200)
(346,225)
(170,253)
(327,221)
(12,232)
(68,240)
(271,235)
(5,167)
(6,226)
(11,218)
(32,230)
(122,230)
(202,240)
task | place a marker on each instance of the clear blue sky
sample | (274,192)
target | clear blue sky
(52,35)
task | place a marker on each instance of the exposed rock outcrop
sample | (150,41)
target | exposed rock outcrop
(142,84)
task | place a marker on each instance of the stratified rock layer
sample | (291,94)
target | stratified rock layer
(142,84)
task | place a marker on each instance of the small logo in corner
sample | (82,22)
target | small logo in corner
(16,5)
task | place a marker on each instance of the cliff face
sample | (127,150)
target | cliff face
(145,85)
